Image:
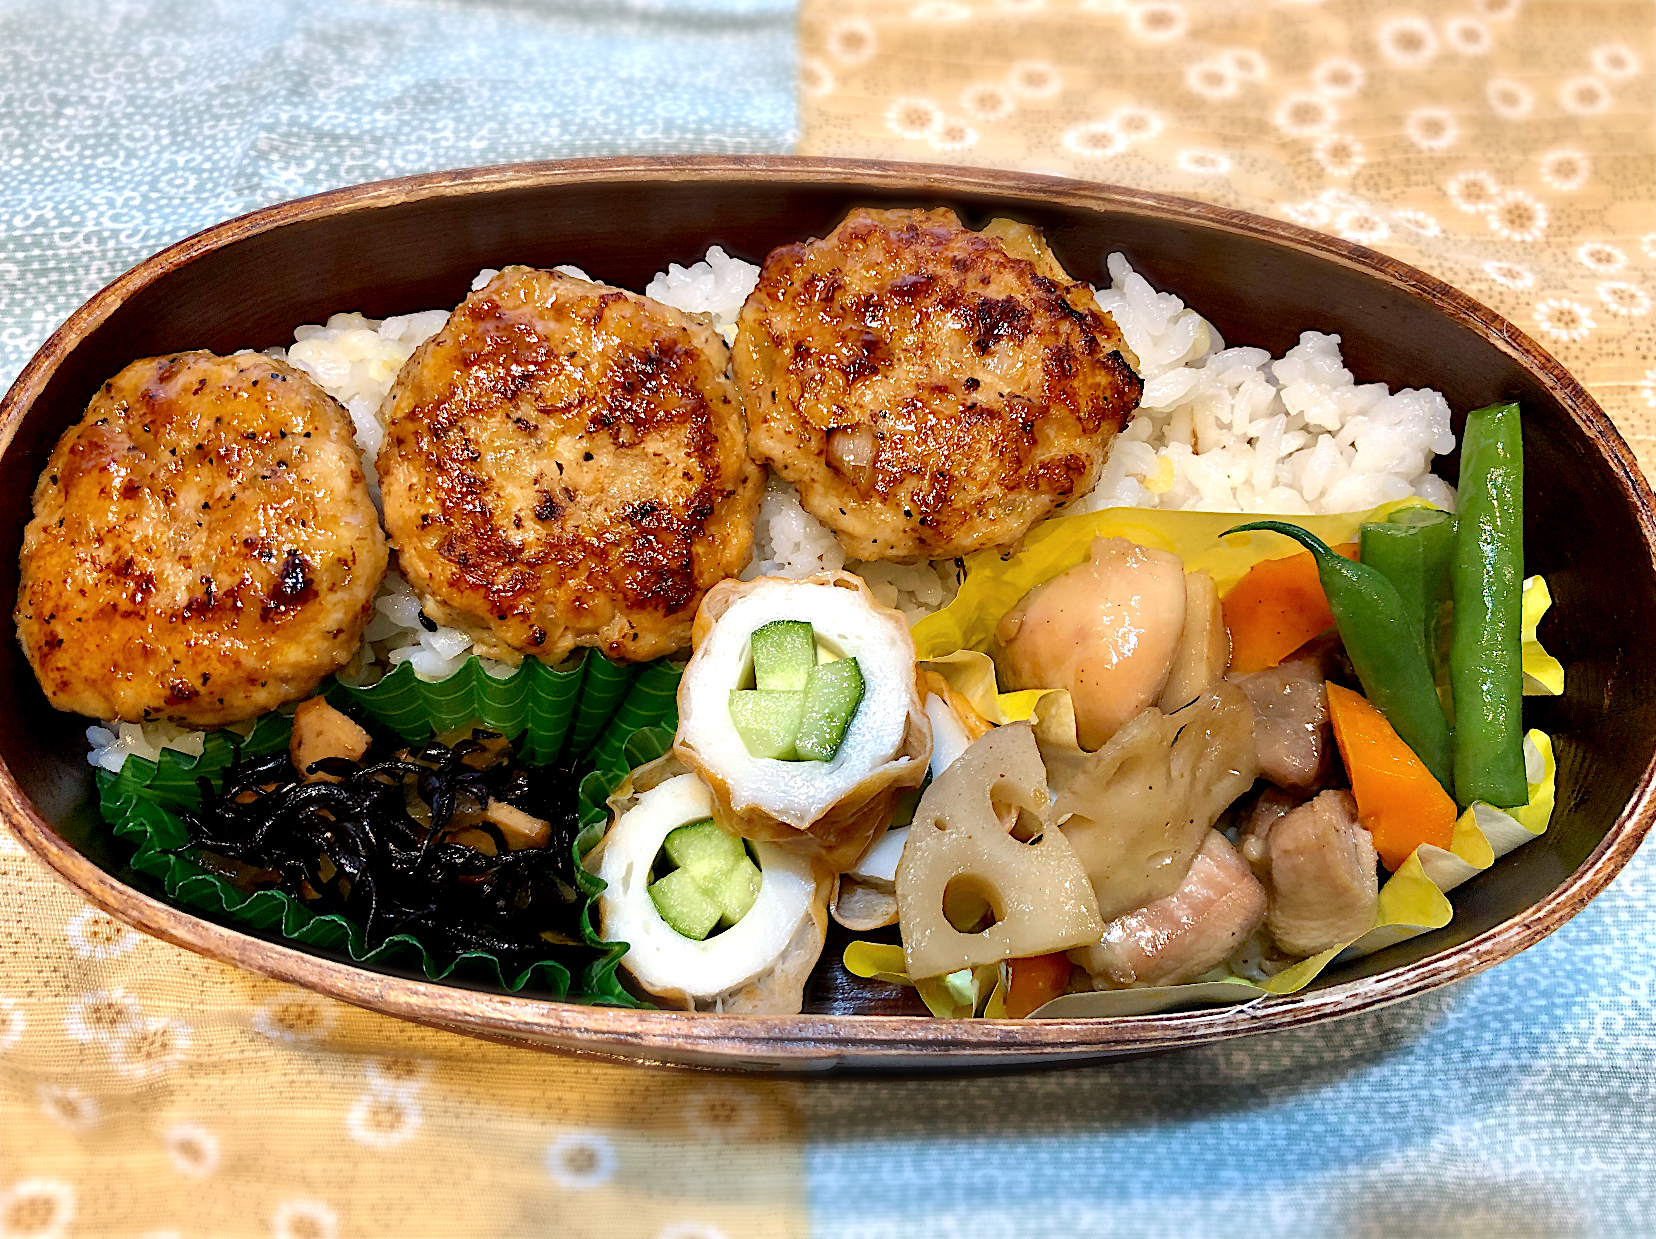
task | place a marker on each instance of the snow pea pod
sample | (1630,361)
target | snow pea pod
(1486,656)
(1384,644)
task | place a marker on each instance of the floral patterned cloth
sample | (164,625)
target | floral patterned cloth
(145,1091)
(1504,145)
(1508,147)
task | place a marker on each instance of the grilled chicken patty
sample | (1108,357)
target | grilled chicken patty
(203,547)
(930,390)
(565,464)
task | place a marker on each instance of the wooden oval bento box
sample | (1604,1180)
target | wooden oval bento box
(396,246)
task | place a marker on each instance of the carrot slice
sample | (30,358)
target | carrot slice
(1275,608)
(1398,800)
(1035,981)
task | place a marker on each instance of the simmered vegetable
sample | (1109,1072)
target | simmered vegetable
(1035,981)
(1137,810)
(1486,659)
(959,852)
(1275,608)
(1106,631)
(1203,652)
(1398,799)
(1384,645)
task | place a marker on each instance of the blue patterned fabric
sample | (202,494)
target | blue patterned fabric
(124,127)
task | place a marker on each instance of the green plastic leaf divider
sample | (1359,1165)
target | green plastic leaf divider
(535,699)
(617,716)
(603,688)
(651,701)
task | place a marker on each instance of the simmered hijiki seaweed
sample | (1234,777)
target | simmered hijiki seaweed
(355,848)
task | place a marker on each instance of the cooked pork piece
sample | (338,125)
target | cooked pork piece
(1180,936)
(565,464)
(1291,725)
(930,390)
(203,547)
(1253,841)
(1324,888)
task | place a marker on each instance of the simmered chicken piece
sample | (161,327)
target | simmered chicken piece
(1291,724)
(930,390)
(1324,887)
(565,464)
(203,547)
(1106,630)
(1203,651)
(1180,936)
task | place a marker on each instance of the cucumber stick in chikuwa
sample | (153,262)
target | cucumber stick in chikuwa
(1486,657)
(800,707)
(1384,642)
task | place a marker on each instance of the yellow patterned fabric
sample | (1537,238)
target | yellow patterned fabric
(1503,145)
(145,1091)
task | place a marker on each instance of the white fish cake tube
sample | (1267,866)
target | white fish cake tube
(759,964)
(829,808)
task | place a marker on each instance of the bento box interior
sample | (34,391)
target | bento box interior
(1582,528)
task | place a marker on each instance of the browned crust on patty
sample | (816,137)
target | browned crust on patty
(565,465)
(203,547)
(930,390)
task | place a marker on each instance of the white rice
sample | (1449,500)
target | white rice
(1221,429)
(113,743)
(788,541)
(716,286)
(1230,430)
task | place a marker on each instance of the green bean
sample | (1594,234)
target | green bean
(1414,548)
(1384,644)
(1486,658)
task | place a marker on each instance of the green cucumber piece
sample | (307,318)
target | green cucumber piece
(767,720)
(704,849)
(832,695)
(784,651)
(736,890)
(685,905)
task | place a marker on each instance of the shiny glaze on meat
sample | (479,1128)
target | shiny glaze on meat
(930,390)
(203,547)
(1180,936)
(1292,731)
(565,464)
